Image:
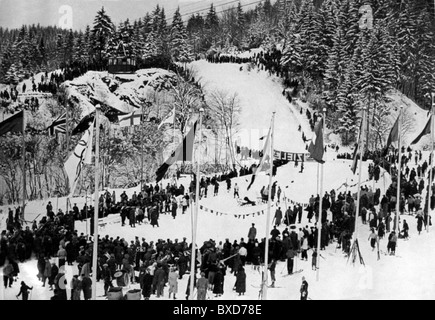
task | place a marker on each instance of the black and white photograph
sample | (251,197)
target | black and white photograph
(217,150)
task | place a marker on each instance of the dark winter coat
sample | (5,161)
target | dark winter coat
(159,276)
(154,216)
(241,282)
(147,283)
(87,288)
(218,282)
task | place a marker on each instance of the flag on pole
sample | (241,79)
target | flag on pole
(355,158)
(88,154)
(184,152)
(357,153)
(131,119)
(316,149)
(425,131)
(84,124)
(13,124)
(58,125)
(393,137)
(265,153)
(74,164)
(170,118)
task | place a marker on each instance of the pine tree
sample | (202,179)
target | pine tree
(87,43)
(81,54)
(180,48)
(146,25)
(102,31)
(347,107)
(240,26)
(424,58)
(60,50)
(69,47)
(327,24)
(211,25)
(308,27)
(336,66)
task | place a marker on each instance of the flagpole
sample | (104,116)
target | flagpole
(24,162)
(399,172)
(195,219)
(361,154)
(431,163)
(141,146)
(319,220)
(96,202)
(266,248)
(66,123)
(318,168)
(173,131)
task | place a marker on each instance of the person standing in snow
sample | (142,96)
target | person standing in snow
(228,181)
(24,291)
(216,188)
(8,271)
(304,248)
(76,287)
(420,219)
(159,281)
(154,216)
(405,229)
(252,234)
(241,281)
(173,282)
(304,289)
(47,272)
(87,287)
(272,267)
(147,282)
(314,260)
(392,241)
(373,237)
(202,286)
(219,279)
(278,216)
(236,191)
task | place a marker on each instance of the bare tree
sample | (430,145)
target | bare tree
(225,108)
(187,100)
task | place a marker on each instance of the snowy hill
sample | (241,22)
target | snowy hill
(122,92)
(259,96)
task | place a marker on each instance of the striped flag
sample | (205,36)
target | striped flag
(13,124)
(73,166)
(58,125)
(393,137)
(131,119)
(357,152)
(184,152)
(266,152)
(425,131)
(316,149)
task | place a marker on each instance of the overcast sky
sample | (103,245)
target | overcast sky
(76,14)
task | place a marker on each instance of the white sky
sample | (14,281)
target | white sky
(76,14)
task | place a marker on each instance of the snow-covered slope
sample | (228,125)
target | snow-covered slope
(123,92)
(259,96)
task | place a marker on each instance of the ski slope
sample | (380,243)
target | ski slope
(259,96)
